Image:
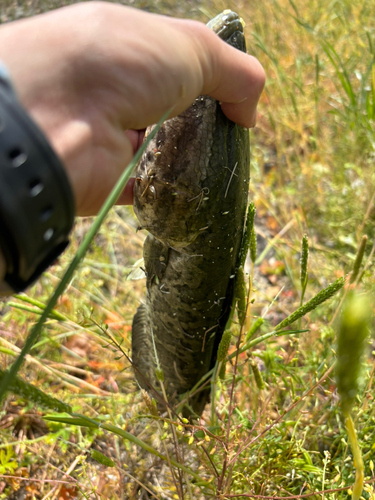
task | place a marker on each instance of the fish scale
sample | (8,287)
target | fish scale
(191,193)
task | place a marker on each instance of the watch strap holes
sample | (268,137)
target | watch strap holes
(36,187)
(46,213)
(48,234)
(17,157)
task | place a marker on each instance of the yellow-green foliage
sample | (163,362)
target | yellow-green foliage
(352,333)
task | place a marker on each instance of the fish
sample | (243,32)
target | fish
(190,194)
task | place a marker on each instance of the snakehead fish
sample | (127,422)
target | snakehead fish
(191,195)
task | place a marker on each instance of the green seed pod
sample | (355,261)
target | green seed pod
(352,333)
(150,403)
(313,303)
(254,328)
(159,374)
(249,229)
(240,295)
(222,371)
(223,348)
(102,459)
(257,375)
(253,246)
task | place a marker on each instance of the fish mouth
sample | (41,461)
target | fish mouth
(229,27)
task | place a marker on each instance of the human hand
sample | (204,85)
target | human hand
(92,74)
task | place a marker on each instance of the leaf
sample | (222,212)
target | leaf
(102,459)
(82,422)
(312,469)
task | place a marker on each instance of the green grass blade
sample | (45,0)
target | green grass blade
(373,91)
(357,458)
(358,259)
(35,395)
(36,310)
(340,71)
(34,302)
(303,262)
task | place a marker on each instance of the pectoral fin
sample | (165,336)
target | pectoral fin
(155,255)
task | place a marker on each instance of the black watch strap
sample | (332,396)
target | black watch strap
(36,200)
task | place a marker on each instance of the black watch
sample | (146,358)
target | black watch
(36,199)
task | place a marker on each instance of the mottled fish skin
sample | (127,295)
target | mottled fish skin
(191,195)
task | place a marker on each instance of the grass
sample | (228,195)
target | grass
(312,173)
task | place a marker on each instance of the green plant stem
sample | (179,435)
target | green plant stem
(110,201)
(304,259)
(167,455)
(221,487)
(357,457)
(358,259)
(175,440)
(216,371)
